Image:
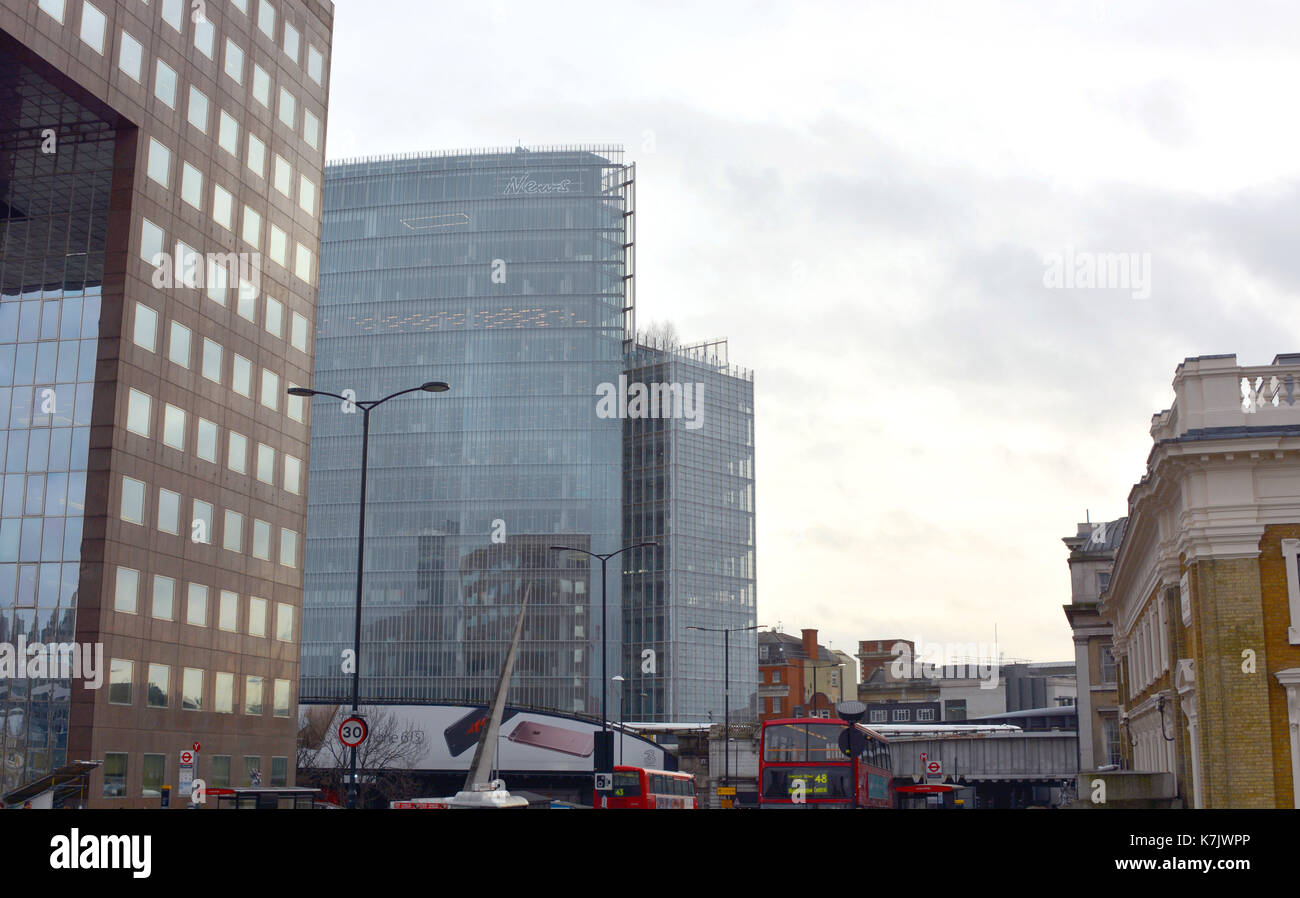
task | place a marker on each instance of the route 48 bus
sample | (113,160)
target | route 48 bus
(802,764)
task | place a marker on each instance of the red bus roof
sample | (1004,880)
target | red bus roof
(676,773)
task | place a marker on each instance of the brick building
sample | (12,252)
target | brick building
(160,180)
(798,676)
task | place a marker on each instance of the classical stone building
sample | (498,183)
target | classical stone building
(1204,598)
(1092,556)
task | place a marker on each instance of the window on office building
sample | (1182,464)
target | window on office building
(115,774)
(157,690)
(152,775)
(120,676)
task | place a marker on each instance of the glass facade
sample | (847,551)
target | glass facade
(507,275)
(689,483)
(54,200)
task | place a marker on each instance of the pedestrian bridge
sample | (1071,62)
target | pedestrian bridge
(986,757)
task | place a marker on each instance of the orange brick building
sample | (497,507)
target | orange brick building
(796,676)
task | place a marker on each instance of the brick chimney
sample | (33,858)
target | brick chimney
(809,643)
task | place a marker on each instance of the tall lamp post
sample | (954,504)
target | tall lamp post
(726,692)
(812,698)
(604,653)
(433,386)
(618,678)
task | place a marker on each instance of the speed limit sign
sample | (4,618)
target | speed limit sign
(353,731)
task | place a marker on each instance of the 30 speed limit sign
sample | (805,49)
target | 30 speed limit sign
(353,731)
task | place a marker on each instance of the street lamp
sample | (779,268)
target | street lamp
(433,386)
(726,692)
(618,678)
(604,681)
(812,698)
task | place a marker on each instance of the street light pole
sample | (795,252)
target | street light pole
(618,678)
(604,650)
(726,692)
(365,405)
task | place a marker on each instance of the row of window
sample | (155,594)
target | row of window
(126,599)
(93,31)
(901,715)
(1148,650)
(217,273)
(158,167)
(159,689)
(201,528)
(206,439)
(145,335)
(153,769)
(221,270)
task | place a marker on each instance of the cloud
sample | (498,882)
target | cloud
(861,197)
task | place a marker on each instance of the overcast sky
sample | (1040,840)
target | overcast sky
(863,197)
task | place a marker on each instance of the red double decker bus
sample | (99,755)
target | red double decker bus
(801,764)
(637,787)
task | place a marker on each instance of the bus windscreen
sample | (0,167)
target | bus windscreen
(803,743)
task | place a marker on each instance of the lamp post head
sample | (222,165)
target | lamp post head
(301,391)
(435,386)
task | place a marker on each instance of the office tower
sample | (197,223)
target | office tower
(506,274)
(688,482)
(160,172)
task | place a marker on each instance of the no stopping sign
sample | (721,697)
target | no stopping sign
(353,731)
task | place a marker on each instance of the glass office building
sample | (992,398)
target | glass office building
(506,274)
(53,230)
(689,484)
(153,496)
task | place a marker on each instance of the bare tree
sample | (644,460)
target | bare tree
(385,761)
(661,334)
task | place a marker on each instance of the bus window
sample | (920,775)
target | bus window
(627,784)
(800,743)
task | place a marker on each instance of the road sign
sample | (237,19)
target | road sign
(184,785)
(604,782)
(197,746)
(934,768)
(726,790)
(353,731)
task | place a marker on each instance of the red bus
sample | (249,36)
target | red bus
(637,787)
(801,764)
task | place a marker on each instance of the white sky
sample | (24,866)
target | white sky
(861,196)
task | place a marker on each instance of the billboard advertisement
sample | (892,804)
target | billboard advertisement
(445,737)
